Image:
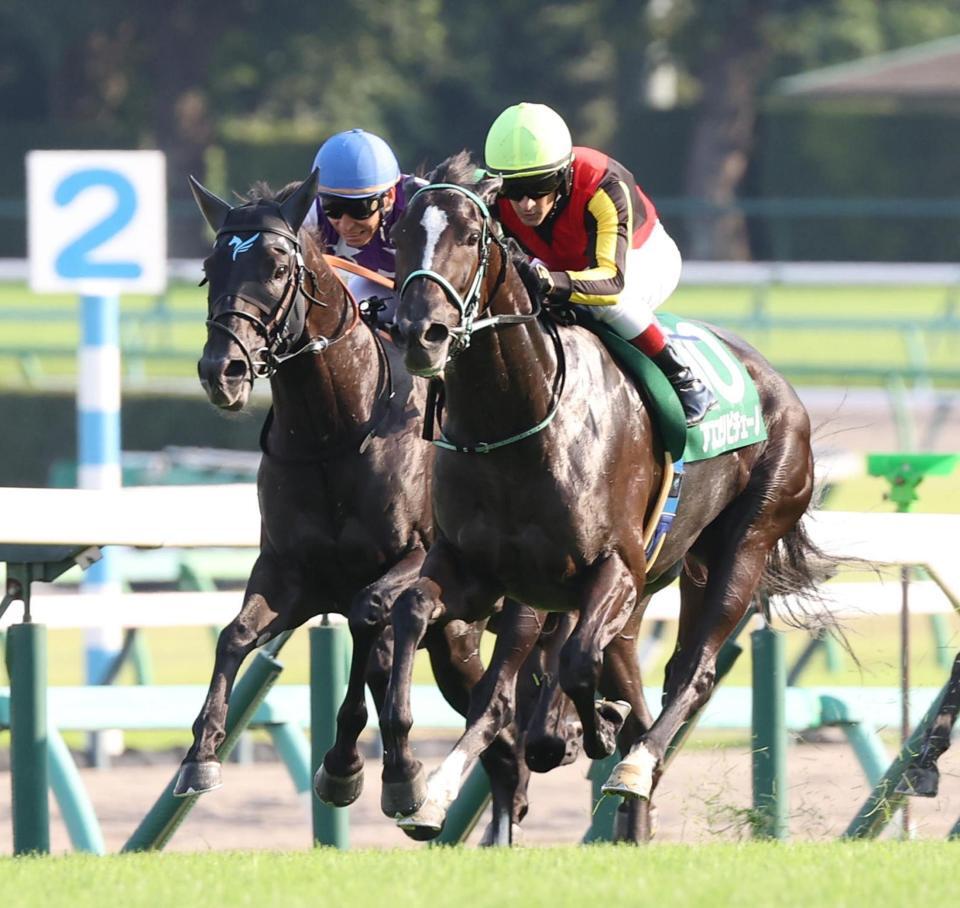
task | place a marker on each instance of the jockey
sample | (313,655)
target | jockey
(594,236)
(361,195)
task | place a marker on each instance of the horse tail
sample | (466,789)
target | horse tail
(795,571)
(796,566)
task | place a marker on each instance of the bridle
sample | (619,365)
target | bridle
(284,321)
(469,306)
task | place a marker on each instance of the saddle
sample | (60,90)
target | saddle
(736,422)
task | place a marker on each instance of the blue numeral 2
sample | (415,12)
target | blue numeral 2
(74,260)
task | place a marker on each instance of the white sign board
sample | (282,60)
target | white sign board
(97,221)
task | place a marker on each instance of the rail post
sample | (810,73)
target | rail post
(769,734)
(27,669)
(166,815)
(329,644)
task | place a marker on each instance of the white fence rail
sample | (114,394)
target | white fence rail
(228,515)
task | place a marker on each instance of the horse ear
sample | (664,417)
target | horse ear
(488,186)
(295,208)
(213,208)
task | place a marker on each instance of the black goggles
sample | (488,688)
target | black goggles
(536,187)
(335,206)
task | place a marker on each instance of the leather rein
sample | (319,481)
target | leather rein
(469,306)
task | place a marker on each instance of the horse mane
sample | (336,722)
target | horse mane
(460,169)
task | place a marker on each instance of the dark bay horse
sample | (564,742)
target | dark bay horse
(344,481)
(543,488)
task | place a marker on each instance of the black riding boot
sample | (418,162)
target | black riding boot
(695,397)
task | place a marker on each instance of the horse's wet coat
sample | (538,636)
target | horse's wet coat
(344,483)
(556,520)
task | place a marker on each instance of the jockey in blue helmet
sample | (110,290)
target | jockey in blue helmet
(361,195)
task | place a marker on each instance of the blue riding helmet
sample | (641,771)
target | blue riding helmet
(356,164)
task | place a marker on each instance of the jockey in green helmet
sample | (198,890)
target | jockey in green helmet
(594,236)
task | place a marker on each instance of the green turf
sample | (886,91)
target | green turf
(830,874)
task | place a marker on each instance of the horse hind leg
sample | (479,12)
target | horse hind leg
(509,778)
(921,778)
(552,731)
(339,780)
(607,606)
(732,552)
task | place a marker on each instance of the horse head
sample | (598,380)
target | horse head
(255,303)
(443,248)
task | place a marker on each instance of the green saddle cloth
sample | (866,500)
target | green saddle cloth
(737,420)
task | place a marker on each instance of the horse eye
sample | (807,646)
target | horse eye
(281,271)
(473,238)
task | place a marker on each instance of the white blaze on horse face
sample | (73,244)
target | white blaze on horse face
(434,222)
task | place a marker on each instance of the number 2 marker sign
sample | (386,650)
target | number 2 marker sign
(97,221)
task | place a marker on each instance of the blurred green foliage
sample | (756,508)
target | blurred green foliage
(246,91)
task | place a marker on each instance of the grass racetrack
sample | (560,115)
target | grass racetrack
(756,874)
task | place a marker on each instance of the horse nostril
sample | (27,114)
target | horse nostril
(436,334)
(235,369)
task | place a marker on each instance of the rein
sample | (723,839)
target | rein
(469,307)
(290,327)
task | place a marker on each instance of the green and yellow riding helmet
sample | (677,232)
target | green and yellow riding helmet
(530,144)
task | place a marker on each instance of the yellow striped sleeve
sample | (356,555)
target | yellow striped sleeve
(601,284)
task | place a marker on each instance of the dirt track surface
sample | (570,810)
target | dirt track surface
(703,797)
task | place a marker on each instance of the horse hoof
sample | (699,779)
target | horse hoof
(632,777)
(197,778)
(337,791)
(549,751)
(401,799)
(919,781)
(425,823)
(614,711)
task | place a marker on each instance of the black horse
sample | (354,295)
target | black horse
(544,489)
(344,482)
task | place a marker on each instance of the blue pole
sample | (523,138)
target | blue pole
(98,467)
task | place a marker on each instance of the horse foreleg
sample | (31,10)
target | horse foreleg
(922,777)
(265,613)
(620,680)
(608,600)
(551,726)
(455,659)
(492,709)
(339,780)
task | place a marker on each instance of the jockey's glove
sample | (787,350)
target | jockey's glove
(543,283)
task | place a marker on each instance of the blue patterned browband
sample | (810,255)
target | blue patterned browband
(241,246)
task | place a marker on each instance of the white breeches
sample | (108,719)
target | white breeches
(652,274)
